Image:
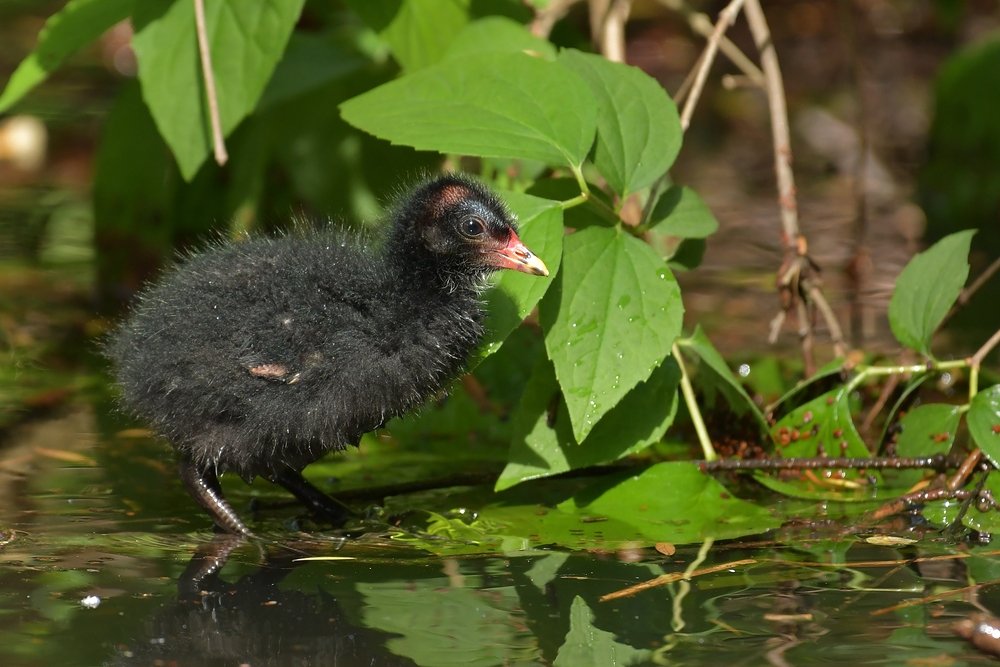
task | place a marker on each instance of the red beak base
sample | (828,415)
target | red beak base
(515,255)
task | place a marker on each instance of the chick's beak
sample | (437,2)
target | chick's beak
(515,255)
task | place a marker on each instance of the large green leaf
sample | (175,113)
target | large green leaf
(514,295)
(417,31)
(589,646)
(927,289)
(77,24)
(675,502)
(984,422)
(714,374)
(638,130)
(926,430)
(246,40)
(491,105)
(310,61)
(498,33)
(609,320)
(539,449)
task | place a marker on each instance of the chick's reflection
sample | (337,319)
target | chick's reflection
(252,622)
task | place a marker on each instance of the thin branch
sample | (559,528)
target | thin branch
(218,142)
(597,11)
(977,359)
(664,579)
(685,86)
(613,31)
(779,122)
(836,335)
(702,25)
(967,293)
(938,462)
(546,18)
(726,18)
(883,398)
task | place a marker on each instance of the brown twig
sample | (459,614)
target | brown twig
(672,577)
(779,121)
(685,86)
(883,398)
(976,360)
(936,462)
(546,18)
(702,25)
(726,18)
(932,598)
(218,142)
(597,11)
(964,470)
(836,335)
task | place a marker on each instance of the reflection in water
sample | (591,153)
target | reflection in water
(252,621)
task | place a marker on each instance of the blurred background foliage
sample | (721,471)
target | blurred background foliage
(890,99)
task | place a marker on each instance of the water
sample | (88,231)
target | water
(106,561)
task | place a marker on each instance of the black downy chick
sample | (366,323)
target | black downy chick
(261,356)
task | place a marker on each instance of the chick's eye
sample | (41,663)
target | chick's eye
(472,227)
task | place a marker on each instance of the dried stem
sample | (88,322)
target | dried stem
(672,577)
(977,359)
(726,18)
(702,25)
(218,142)
(685,86)
(836,335)
(883,398)
(779,122)
(938,462)
(546,18)
(597,11)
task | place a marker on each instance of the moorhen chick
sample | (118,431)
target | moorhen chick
(259,357)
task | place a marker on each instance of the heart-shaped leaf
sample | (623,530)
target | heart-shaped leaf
(491,105)
(638,130)
(610,319)
(246,40)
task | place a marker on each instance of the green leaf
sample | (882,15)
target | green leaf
(310,61)
(927,430)
(588,646)
(491,105)
(638,130)
(927,289)
(825,422)
(67,31)
(514,295)
(246,40)
(687,256)
(911,386)
(681,212)
(675,502)
(498,33)
(417,31)
(984,422)
(609,320)
(718,376)
(539,450)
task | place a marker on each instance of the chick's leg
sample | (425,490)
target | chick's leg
(203,485)
(317,501)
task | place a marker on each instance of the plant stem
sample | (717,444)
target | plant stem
(872,371)
(218,143)
(575,201)
(692,404)
(726,18)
